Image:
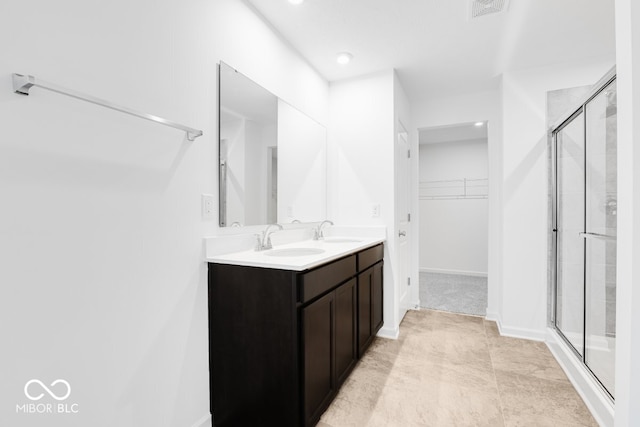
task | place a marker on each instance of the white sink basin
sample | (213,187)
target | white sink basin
(294,252)
(341,240)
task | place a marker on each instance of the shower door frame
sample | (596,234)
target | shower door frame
(565,120)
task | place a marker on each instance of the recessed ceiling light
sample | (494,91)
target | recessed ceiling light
(296,1)
(479,124)
(344,58)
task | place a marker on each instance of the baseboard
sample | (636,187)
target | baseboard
(205,421)
(460,272)
(523,333)
(391,333)
(494,316)
(598,402)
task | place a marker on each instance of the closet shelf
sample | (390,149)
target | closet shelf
(22,84)
(452,189)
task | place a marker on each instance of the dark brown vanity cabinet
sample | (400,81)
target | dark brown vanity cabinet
(282,342)
(329,347)
(369,306)
(346,323)
(370,296)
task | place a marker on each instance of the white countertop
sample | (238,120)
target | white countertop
(334,247)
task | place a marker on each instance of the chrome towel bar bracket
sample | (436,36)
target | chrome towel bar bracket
(23,83)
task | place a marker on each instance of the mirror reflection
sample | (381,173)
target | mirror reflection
(272,157)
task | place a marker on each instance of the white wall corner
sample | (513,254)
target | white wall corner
(389,332)
(522,333)
(494,316)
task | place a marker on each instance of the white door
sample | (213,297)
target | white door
(402,218)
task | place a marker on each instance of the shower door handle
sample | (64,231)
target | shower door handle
(597,236)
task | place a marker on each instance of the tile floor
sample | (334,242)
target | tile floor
(454,370)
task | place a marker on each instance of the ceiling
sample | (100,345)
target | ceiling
(433,45)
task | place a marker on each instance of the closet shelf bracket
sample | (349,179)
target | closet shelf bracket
(23,83)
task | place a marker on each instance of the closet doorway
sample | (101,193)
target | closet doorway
(453,205)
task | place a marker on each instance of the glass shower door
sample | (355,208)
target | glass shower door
(586,232)
(570,151)
(600,236)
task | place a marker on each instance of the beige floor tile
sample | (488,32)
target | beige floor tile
(465,347)
(379,358)
(527,400)
(457,322)
(491,329)
(363,389)
(418,316)
(444,403)
(384,345)
(454,370)
(344,413)
(525,357)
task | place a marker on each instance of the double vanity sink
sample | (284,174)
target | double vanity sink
(288,324)
(297,256)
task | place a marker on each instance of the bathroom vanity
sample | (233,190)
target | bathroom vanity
(284,339)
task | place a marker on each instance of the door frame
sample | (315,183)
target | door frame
(403,163)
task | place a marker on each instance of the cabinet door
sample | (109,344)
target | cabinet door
(365,330)
(318,348)
(376,298)
(345,324)
(370,305)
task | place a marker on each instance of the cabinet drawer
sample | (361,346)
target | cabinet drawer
(370,256)
(322,279)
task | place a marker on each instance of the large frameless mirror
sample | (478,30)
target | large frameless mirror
(272,157)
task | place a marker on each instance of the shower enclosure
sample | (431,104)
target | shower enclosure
(584,167)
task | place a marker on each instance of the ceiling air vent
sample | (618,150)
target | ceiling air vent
(486,7)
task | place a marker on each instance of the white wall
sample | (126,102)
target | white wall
(627,411)
(466,108)
(525,189)
(361,150)
(454,232)
(103,282)
(453,160)
(365,117)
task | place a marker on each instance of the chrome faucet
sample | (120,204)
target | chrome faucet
(319,232)
(264,239)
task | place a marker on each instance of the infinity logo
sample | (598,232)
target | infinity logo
(52,394)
